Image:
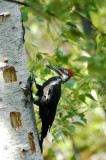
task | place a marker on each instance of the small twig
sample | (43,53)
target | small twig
(85,19)
(38,122)
(77,155)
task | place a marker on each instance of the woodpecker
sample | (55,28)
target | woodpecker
(49,94)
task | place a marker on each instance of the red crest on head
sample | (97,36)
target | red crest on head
(69,71)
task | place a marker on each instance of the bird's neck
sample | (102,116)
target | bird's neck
(64,78)
(59,80)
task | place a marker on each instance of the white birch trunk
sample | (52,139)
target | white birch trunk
(18,131)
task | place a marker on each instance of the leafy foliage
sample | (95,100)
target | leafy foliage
(76,31)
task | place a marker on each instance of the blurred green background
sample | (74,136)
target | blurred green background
(71,34)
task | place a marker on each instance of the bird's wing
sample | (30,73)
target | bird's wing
(48,105)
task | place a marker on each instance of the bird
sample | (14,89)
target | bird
(48,97)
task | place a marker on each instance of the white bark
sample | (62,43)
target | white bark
(18,131)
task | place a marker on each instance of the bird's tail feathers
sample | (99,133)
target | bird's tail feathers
(43,134)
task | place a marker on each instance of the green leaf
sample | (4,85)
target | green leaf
(79,123)
(34,45)
(25,14)
(34,66)
(82,97)
(45,54)
(70,128)
(58,9)
(47,71)
(72,34)
(65,133)
(94,106)
(59,52)
(57,135)
(39,56)
(67,99)
(26,27)
(83,58)
(83,117)
(90,96)
(70,84)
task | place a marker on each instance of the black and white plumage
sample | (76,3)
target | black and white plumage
(49,94)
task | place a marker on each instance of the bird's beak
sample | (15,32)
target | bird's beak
(56,70)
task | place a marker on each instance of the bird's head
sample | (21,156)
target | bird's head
(64,73)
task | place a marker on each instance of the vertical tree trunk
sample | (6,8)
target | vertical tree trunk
(18,131)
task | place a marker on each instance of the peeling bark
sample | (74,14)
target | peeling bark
(18,131)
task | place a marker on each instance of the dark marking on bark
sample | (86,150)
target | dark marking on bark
(6,61)
(23,39)
(25,148)
(16,121)
(10,75)
(20,82)
(31,142)
(1,99)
